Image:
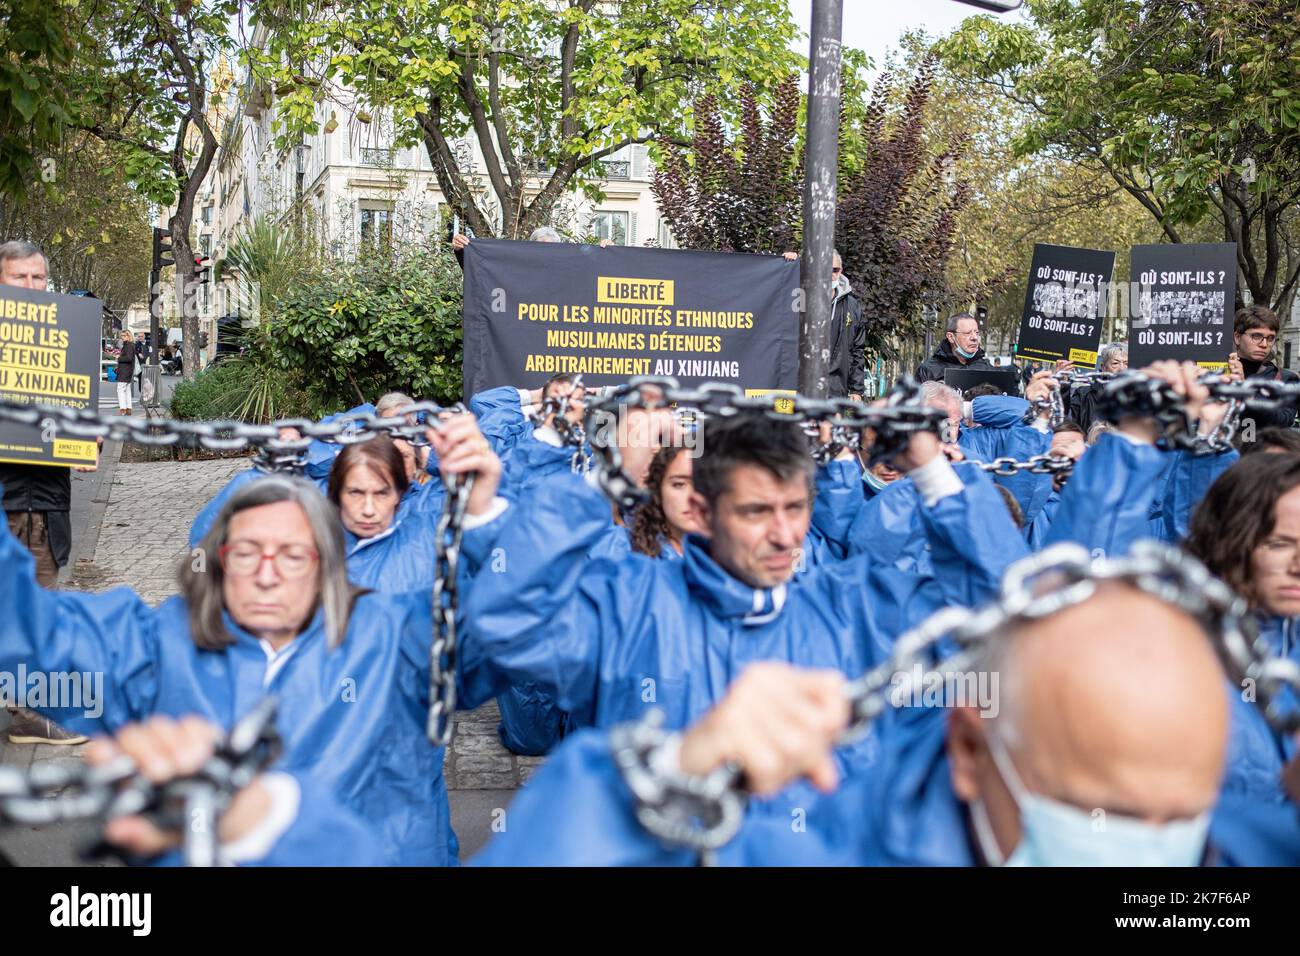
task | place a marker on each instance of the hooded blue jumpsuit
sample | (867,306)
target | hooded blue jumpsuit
(607,640)
(577,811)
(352,718)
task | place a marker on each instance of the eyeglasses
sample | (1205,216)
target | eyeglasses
(1259,338)
(290,561)
(1277,554)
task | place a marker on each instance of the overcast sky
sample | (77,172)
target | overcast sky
(876,25)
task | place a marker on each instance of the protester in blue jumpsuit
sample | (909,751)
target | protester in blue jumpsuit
(320,458)
(607,640)
(530,723)
(1126,477)
(1247,531)
(279,819)
(1003,781)
(266,607)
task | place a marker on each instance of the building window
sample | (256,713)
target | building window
(611,226)
(376,226)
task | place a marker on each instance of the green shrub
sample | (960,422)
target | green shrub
(372,326)
(249,388)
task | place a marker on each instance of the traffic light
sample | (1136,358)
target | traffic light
(201,272)
(159,249)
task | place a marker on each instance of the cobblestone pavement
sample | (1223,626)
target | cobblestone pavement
(142,541)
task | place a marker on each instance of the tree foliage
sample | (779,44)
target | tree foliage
(545,90)
(735,196)
(371,326)
(1191,107)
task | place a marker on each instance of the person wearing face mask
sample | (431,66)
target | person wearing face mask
(1008,783)
(1254,336)
(1247,531)
(607,639)
(960,348)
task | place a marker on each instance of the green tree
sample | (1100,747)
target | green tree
(38,43)
(545,90)
(92,226)
(1191,107)
(143,87)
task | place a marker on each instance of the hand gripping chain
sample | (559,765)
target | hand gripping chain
(1135,394)
(893,422)
(703,814)
(193,804)
(410,422)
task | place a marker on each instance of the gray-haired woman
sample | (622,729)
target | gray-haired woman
(1083,401)
(266,607)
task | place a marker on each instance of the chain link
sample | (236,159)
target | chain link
(446,604)
(1007,467)
(277,454)
(894,421)
(705,813)
(48,794)
(1134,393)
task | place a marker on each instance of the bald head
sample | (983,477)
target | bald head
(1117,704)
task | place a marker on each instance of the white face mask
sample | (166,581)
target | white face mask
(1053,833)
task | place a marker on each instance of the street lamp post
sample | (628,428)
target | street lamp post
(300,161)
(819,195)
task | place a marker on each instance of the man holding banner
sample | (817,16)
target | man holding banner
(37,502)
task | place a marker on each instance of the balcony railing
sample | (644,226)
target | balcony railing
(616,169)
(376,157)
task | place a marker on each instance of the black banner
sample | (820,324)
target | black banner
(535,309)
(49,353)
(1065,304)
(1184,303)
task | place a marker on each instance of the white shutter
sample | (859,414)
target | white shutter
(631,230)
(638,161)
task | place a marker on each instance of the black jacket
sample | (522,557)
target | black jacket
(932,369)
(46,488)
(126,362)
(1283,417)
(848,346)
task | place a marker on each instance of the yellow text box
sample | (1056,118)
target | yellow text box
(616,290)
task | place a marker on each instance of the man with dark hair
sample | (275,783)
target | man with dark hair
(1254,335)
(606,640)
(960,348)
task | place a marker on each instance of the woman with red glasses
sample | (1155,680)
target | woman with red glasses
(266,607)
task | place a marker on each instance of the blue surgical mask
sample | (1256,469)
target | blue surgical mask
(963,353)
(875,484)
(1053,833)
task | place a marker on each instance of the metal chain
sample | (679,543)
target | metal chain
(274,453)
(1007,467)
(48,794)
(1133,393)
(446,604)
(893,422)
(705,813)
